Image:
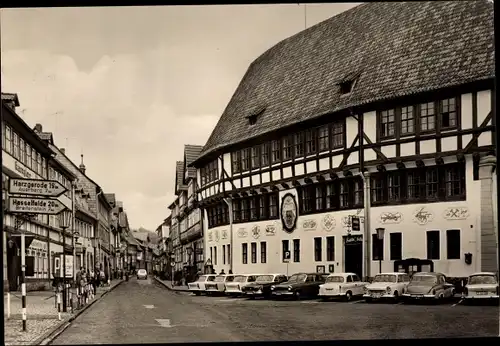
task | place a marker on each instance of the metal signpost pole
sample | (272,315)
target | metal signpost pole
(65,295)
(23,278)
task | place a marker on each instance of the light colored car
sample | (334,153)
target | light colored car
(342,285)
(426,285)
(198,286)
(387,286)
(482,286)
(234,288)
(218,286)
(262,285)
(142,274)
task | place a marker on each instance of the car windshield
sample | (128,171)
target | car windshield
(424,279)
(240,278)
(202,278)
(219,278)
(211,278)
(142,271)
(384,278)
(297,278)
(337,279)
(262,278)
(482,279)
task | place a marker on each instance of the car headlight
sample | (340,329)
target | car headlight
(273,287)
(388,290)
(289,288)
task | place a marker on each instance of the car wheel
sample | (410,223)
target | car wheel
(368,300)
(197,293)
(348,296)
(396,296)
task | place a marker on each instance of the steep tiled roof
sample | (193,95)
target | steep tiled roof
(111,198)
(179,176)
(393,48)
(191,153)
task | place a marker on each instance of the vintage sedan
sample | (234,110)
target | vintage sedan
(218,286)
(262,285)
(431,286)
(299,285)
(342,285)
(481,286)
(387,286)
(198,286)
(234,288)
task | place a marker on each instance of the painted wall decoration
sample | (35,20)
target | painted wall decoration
(270,230)
(456,213)
(329,222)
(289,213)
(309,225)
(242,233)
(255,232)
(422,216)
(217,236)
(210,236)
(224,234)
(346,220)
(390,218)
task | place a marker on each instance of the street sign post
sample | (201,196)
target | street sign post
(32,205)
(42,188)
(286,259)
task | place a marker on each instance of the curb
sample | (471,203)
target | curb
(170,288)
(48,337)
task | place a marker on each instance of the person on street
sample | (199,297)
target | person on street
(222,272)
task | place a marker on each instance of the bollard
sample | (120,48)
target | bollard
(8,305)
(58,305)
(71,300)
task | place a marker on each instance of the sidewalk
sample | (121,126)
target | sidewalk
(168,285)
(42,319)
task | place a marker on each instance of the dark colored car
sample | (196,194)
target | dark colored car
(261,287)
(299,285)
(431,286)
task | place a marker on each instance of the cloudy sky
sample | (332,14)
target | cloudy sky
(130,86)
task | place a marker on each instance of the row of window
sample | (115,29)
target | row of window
(86,230)
(416,185)
(291,146)
(15,145)
(209,173)
(226,254)
(253,253)
(418,119)
(254,208)
(41,265)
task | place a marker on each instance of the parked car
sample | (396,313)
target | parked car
(342,285)
(234,287)
(262,285)
(299,285)
(142,274)
(430,286)
(387,286)
(198,286)
(218,286)
(481,286)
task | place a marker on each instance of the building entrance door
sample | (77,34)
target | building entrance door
(353,254)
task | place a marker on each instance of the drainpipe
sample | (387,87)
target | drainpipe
(229,202)
(366,231)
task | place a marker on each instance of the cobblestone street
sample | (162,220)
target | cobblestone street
(145,312)
(42,316)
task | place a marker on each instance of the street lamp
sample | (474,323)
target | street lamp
(64,223)
(380,237)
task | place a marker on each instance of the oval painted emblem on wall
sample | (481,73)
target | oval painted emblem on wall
(289,213)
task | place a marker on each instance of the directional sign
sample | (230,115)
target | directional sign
(35,205)
(44,188)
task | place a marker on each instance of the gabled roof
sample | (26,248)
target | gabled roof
(191,153)
(111,198)
(11,97)
(394,49)
(179,177)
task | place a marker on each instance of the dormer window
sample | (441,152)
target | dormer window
(254,115)
(346,87)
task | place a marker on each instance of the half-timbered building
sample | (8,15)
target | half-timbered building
(389,101)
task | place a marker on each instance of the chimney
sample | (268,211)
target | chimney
(82,166)
(38,128)
(62,150)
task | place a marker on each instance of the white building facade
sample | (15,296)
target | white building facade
(276,179)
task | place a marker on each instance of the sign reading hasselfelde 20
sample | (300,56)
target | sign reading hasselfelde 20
(289,212)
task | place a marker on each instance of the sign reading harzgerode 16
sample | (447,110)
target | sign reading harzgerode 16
(45,188)
(35,205)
